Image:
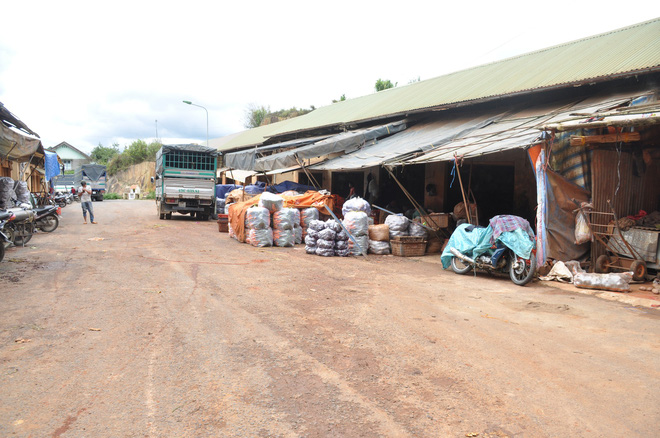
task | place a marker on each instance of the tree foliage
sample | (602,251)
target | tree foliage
(102,154)
(255,115)
(135,153)
(384,84)
(341,99)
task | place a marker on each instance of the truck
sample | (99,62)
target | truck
(95,176)
(185,180)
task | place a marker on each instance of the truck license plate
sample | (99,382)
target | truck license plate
(182,203)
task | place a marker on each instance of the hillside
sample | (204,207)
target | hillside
(137,174)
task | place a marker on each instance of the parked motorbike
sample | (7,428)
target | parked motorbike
(47,218)
(5,241)
(21,229)
(61,199)
(506,246)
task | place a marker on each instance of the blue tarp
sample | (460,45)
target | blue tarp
(221,190)
(51,165)
(290,185)
(255,189)
(477,242)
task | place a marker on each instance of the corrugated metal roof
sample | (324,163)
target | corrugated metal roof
(617,53)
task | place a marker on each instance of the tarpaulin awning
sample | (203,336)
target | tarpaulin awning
(17,147)
(466,135)
(421,137)
(345,142)
(245,160)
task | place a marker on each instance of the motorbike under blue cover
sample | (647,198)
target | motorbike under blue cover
(477,242)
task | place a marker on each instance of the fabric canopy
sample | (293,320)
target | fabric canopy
(246,159)
(345,142)
(17,147)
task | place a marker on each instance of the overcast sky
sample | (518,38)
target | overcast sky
(90,72)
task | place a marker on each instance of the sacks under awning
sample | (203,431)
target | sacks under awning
(246,159)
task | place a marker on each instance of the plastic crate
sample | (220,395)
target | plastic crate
(223,223)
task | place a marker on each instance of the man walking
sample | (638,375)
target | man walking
(86,201)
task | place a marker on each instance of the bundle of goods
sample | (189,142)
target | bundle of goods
(284,221)
(379,239)
(6,192)
(356,204)
(341,238)
(220,206)
(306,216)
(22,192)
(398,225)
(417,230)
(357,223)
(271,202)
(297,229)
(311,239)
(237,195)
(257,224)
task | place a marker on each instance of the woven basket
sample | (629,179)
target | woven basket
(408,246)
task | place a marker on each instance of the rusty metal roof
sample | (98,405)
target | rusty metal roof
(619,53)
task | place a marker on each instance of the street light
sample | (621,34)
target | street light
(207,118)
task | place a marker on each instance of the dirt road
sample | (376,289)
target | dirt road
(137,327)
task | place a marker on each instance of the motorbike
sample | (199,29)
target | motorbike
(506,246)
(22,227)
(61,199)
(5,241)
(47,218)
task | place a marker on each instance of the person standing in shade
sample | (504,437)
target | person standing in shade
(371,193)
(85,194)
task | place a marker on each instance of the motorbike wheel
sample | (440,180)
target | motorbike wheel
(460,267)
(521,270)
(62,204)
(49,223)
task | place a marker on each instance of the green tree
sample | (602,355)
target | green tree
(384,84)
(255,115)
(341,99)
(102,154)
(152,149)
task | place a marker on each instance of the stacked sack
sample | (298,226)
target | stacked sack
(398,225)
(22,192)
(6,192)
(284,221)
(379,239)
(357,223)
(257,226)
(312,235)
(306,216)
(341,238)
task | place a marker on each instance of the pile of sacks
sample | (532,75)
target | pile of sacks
(326,239)
(356,213)
(270,223)
(6,192)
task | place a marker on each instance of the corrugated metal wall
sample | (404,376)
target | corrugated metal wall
(638,188)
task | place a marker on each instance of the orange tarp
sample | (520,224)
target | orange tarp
(309,199)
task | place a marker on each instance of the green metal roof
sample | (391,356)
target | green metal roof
(619,53)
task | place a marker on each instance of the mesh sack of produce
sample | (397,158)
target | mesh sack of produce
(416,229)
(379,247)
(316,225)
(22,192)
(308,215)
(325,252)
(6,192)
(327,234)
(284,218)
(333,225)
(310,241)
(356,204)
(271,201)
(363,241)
(298,235)
(261,238)
(341,244)
(357,223)
(342,252)
(312,233)
(310,249)
(227,207)
(397,224)
(341,236)
(325,244)
(283,238)
(220,206)
(257,218)
(231,231)
(380,233)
